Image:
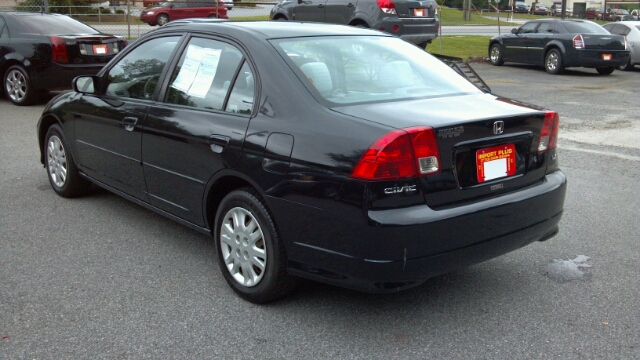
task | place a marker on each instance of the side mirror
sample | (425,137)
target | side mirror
(514,31)
(85,84)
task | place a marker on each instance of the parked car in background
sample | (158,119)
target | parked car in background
(44,52)
(414,21)
(147,3)
(631,31)
(539,9)
(620,15)
(591,13)
(556,10)
(520,7)
(557,44)
(635,14)
(228,4)
(179,9)
(338,154)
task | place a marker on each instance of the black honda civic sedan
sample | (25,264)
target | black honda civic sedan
(337,154)
(558,44)
(43,52)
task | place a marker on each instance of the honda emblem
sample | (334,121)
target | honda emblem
(498,127)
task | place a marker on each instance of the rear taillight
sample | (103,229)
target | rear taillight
(578,42)
(549,133)
(387,6)
(400,154)
(58,50)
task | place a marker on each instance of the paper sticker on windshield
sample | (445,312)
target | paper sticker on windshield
(206,73)
(189,69)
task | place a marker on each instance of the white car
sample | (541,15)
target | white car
(631,31)
(227,3)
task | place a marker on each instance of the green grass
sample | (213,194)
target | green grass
(462,46)
(450,17)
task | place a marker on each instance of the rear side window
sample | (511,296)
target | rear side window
(204,75)
(55,25)
(584,27)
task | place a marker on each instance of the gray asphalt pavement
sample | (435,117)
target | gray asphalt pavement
(101,278)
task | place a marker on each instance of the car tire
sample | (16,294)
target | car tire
(61,169)
(605,70)
(251,254)
(495,55)
(553,62)
(17,86)
(628,66)
(162,19)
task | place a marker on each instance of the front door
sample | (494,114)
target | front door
(108,127)
(199,127)
(340,11)
(310,10)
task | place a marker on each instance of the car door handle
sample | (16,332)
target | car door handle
(218,143)
(321,6)
(129,123)
(350,5)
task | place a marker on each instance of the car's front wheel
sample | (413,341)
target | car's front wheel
(495,55)
(162,19)
(553,62)
(606,70)
(61,169)
(17,86)
(251,254)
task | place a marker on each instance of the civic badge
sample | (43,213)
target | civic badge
(498,127)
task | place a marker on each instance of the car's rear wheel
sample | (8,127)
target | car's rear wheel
(17,86)
(251,254)
(605,70)
(62,171)
(162,19)
(628,66)
(553,62)
(495,55)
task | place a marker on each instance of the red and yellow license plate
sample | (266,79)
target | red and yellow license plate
(496,162)
(100,49)
(418,12)
(606,57)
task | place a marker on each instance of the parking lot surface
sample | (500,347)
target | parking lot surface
(99,277)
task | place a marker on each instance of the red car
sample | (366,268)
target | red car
(146,3)
(176,10)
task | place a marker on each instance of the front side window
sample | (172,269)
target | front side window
(136,75)
(528,28)
(361,69)
(545,28)
(204,75)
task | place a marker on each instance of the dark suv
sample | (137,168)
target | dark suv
(414,21)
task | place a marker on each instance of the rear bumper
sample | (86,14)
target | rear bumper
(594,58)
(59,77)
(413,30)
(402,248)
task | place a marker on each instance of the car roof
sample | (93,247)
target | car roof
(273,29)
(24,13)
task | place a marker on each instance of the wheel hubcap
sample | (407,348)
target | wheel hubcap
(16,85)
(243,247)
(57,161)
(552,61)
(495,53)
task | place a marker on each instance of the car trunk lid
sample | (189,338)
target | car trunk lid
(488,146)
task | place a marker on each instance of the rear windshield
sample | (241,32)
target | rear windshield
(584,27)
(364,69)
(55,25)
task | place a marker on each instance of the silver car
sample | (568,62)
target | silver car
(414,21)
(631,31)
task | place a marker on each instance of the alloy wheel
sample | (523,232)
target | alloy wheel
(16,85)
(552,61)
(495,54)
(243,247)
(57,161)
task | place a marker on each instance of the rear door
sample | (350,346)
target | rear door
(340,11)
(199,126)
(108,128)
(538,41)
